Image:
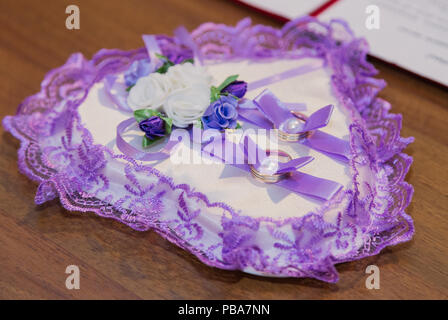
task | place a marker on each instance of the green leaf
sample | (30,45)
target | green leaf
(214,94)
(188,61)
(229,95)
(129,88)
(238,125)
(146,142)
(168,124)
(228,81)
(166,64)
(161,56)
(164,68)
(144,114)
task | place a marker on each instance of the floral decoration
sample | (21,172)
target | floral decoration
(154,124)
(181,93)
(222,112)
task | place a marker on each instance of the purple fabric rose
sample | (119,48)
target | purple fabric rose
(138,69)
(153,127)
(221,114)
(236,88)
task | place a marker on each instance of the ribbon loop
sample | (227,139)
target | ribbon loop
(318,119)
(294,164)
(152,47)
(267,111)
(272,107)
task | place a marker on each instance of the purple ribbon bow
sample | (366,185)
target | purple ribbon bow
(266,111)
(293,180)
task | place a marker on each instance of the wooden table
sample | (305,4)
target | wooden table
(37,243)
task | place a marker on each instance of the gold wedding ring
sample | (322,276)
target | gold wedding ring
(271,178)
(291,137)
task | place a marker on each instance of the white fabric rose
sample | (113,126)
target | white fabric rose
(149,92)
(187,105)
(187,75)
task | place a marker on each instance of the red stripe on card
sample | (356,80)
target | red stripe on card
(322,8)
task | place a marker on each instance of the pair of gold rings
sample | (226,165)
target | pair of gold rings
(285,136)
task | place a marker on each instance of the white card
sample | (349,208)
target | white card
(412,34)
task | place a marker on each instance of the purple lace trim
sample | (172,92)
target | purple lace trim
(58,152)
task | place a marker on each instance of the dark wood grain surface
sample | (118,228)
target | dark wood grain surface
(37,243)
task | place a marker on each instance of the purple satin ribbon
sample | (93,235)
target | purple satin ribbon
(282,76)
(116,91)
(151,45)
(137,154)
(184,37)
(266,111)
(295,181)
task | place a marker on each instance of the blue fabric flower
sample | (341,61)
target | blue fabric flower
(221,114)
(153,127)
(138,69)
